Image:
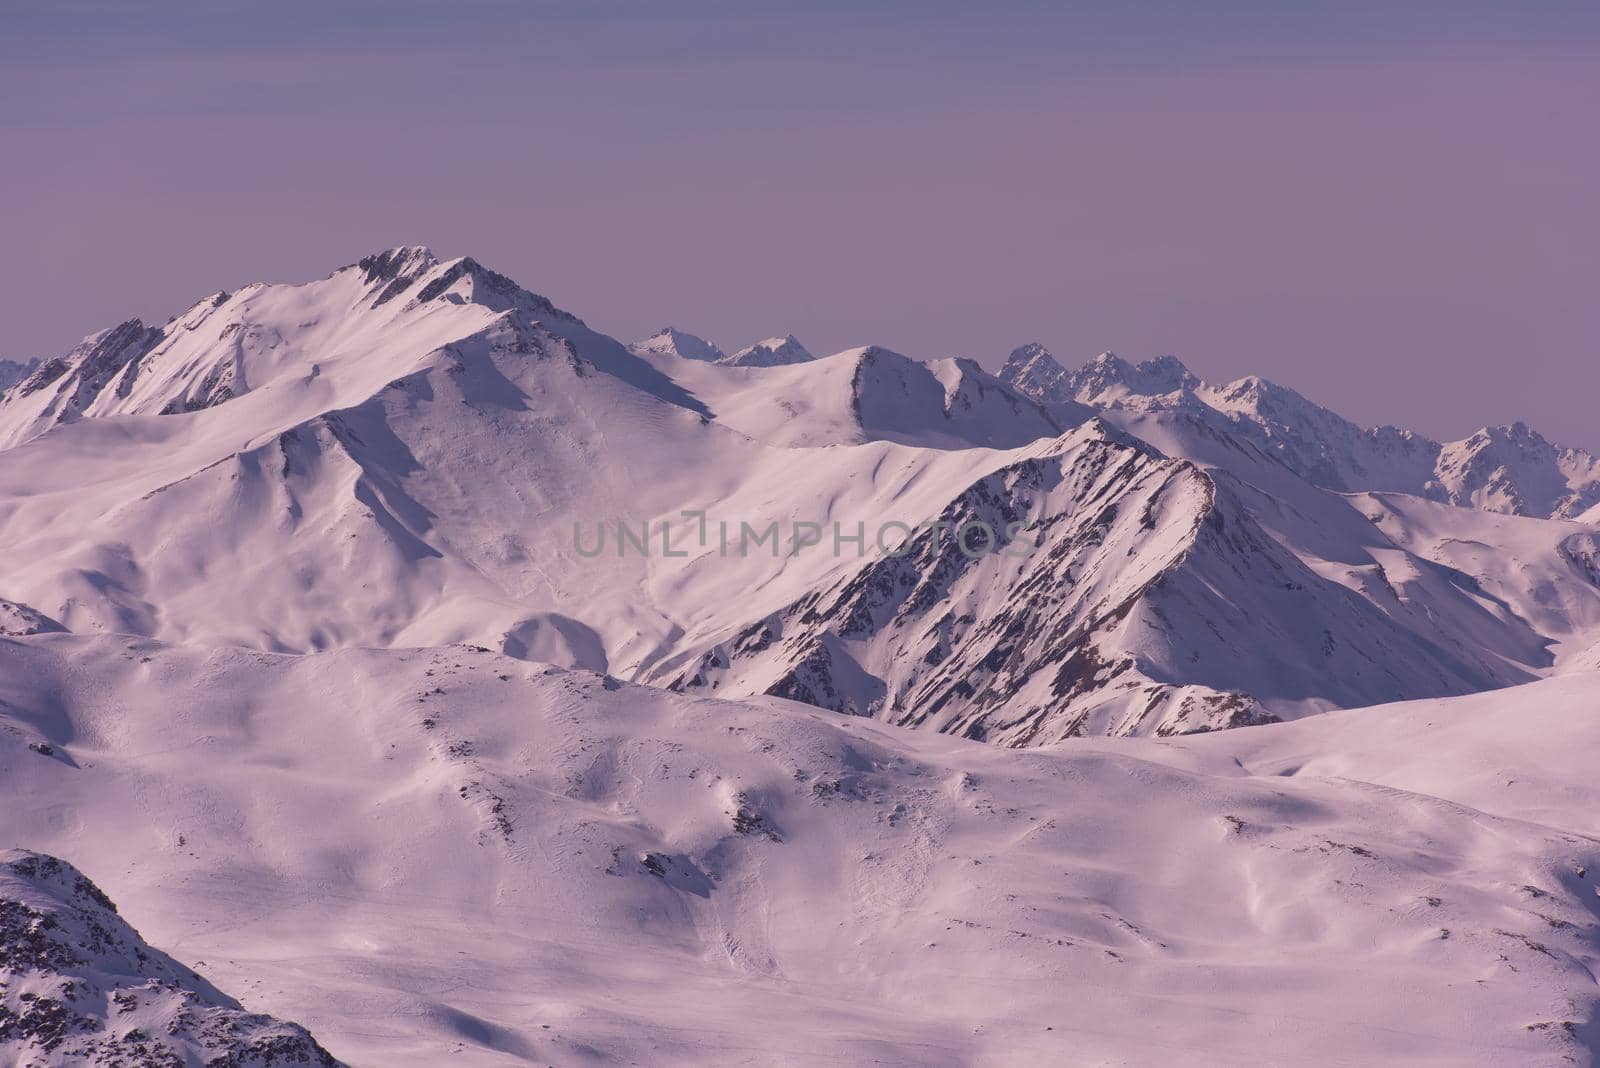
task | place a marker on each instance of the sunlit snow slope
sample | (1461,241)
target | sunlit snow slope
(448,854)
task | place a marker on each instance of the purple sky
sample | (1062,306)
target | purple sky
(1391,207)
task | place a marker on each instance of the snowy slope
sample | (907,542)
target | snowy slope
(78,986)
(1544,572)
(865,394)
(446,855)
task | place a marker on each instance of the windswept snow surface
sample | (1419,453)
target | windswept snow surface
(447,853)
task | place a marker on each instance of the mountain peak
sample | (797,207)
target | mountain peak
(1032,371)
(1108,377)
(770,352)
(670,341)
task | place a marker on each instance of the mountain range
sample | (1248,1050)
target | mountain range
(509,693)
(1509,469)
(404,453)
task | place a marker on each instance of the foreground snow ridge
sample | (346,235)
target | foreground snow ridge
(1273,747)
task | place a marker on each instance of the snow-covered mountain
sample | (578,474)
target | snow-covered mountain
(1511,470)
(394,646)
(1141,598)
(772,352)
(79,986)
(412,451)
(670,341)
(1514,470)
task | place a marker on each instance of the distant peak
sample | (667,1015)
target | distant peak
(1518,434)
(1170,365)
(1033,354)
(1108,373)
(787,341)
(1032,371)
(770,353)
(670,341)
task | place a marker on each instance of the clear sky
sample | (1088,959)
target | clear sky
(1390,206)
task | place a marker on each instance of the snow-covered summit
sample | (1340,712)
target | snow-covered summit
(771,352)
(1108,378)
(1515,470)
(670,341)
(1034,371)
(365,325)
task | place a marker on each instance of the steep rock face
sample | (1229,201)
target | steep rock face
(78,986)
(65,389)
(1034,372)
(1137,598)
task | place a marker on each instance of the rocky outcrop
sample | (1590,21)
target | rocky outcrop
(78,986)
